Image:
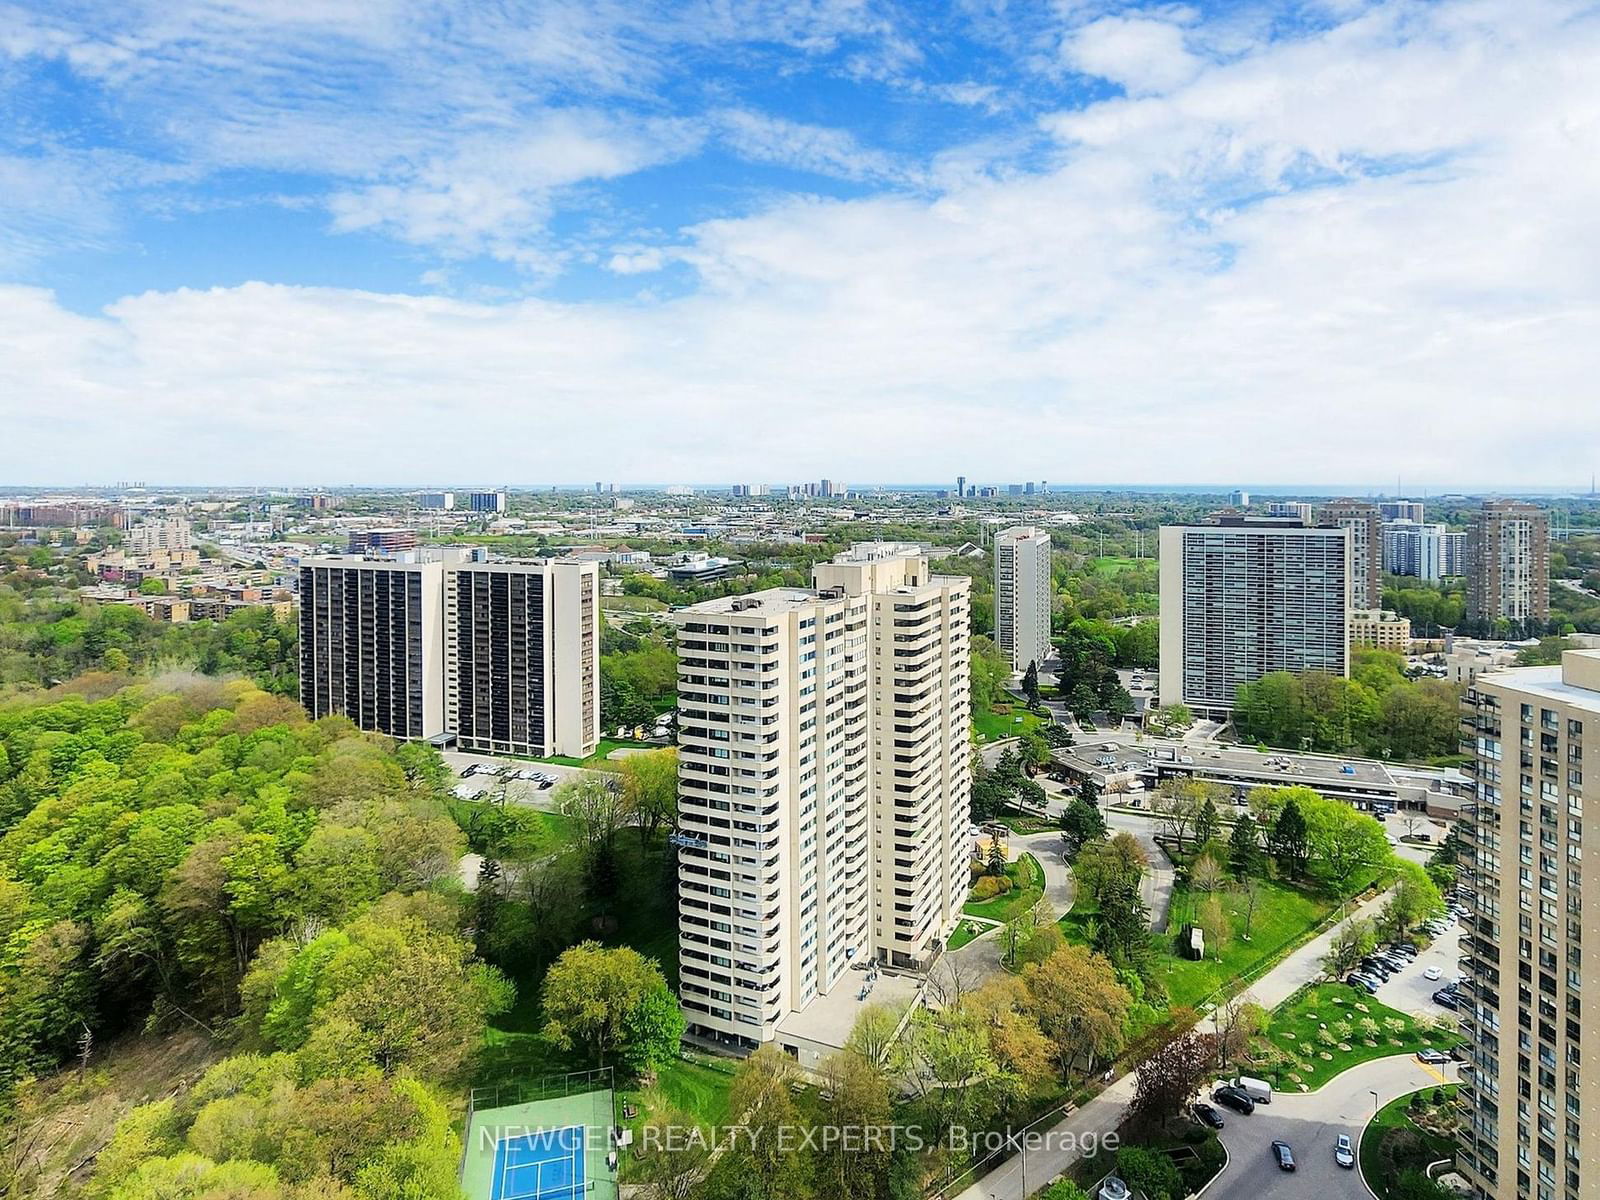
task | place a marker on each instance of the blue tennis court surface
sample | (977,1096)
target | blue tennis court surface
(547,1165)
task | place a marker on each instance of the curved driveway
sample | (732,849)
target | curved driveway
(1310,1122)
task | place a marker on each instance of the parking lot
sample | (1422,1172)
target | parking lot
(518,791)
(1410,991)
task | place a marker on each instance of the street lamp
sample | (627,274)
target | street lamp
(1374,1100)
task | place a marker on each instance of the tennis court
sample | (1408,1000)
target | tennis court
(541,1142)
(547,1165)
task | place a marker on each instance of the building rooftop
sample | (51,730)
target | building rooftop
(770,600)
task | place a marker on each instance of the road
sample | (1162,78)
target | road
(518,791)
(1158,880)
(1310,1123)
(1060,1144)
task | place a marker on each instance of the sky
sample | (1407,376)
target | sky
(702,241)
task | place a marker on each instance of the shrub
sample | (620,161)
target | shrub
(990,886)
(1149,1172)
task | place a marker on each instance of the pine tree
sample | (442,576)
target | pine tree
(1244,849)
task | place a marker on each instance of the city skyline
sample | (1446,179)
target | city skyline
(247,236)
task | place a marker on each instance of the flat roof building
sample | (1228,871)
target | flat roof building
(824,787)
(1508,564)
(1022,592)
(1532,906)
(1365,526)
(1247,596)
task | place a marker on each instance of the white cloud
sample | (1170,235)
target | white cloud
(760,137)
(1147,57)
(1365,251)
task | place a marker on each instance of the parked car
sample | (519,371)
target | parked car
(1445,999)
(1343,1153)
(1432,1056)
(1459,1052)
(1234,1098)
(1207,1115)
(1285,1156)
(1360,981)
(1431,972)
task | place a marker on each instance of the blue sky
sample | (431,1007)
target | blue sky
(632,240)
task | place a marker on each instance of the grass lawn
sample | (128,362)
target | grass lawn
(1385,1151)
(1283,915)
(598,760)
(640,604)
(966,931)
(1110,564)
(1297,1030)
(697,1086)
(992,726)
(1027,885)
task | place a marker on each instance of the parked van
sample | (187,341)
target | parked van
(1258,1090)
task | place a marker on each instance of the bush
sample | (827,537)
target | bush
(990,886)
(1149,1172)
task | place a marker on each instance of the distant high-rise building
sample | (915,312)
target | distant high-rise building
(1247,596)
(522,657)
(961,486)
(1402,510)
(1297,509)
(750,489)
(1027,488)
(1429,552)
(1528,960)
(381,541)
(1366,548)
(1022,592)
(1239,499)
(486,502)
(442,501)
(162,533)
(372,644)
(824,787)
(1508,563)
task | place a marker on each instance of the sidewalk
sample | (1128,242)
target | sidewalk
(1104,1113)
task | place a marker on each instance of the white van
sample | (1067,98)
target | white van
(1258,1090)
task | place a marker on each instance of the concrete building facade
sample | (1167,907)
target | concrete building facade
(1384,630)
(522,657)
(491,502)
(1365,526)
(823,786)
(1247,596)
(1532,908)
(1022,591)
(372,643)
(1508,563)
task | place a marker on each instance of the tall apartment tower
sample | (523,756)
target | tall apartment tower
(1532,907)
(1508,563)
(823,786)
(1365,525)
(522,657)
(372,643)
(1247,596)
(1022,588)
(1402,510)
(491,502)
(505,655)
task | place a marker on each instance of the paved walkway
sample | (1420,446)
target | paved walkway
(1049,849)
(1159,878)
(1060,1144)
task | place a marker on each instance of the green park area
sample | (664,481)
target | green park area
(1325,1029)
(1407,1135)
(1110,564)
(1026,877)
(992,725)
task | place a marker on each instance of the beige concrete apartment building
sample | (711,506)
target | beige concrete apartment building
(823,786)
(1380,628)
(503,655)
(522,656)
(1022,590)
(1533,907)
(1508,563)
(1364,523)
(372,643)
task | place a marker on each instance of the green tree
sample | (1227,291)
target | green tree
(611,1003)
(1244,848)
(1290,841)
(1081,823)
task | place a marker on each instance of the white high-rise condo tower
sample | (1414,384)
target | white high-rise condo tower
(824,786)
(1022,588)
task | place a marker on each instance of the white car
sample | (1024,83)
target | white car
(1343,1153)
(1431,973)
